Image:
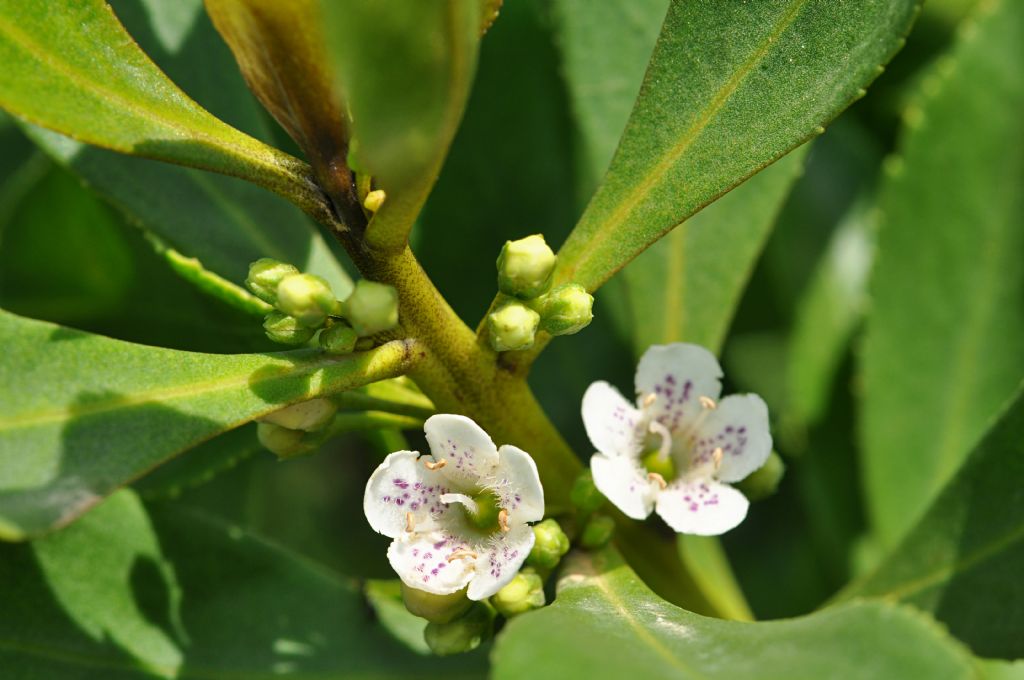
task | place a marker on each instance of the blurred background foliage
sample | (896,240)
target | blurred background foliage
(525,160)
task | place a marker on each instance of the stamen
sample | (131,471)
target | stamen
(666,438)
(649,399)
(717,455)
(461,553)
(655,477)
(708,403)
(503,521)
(430,465)
(410,522)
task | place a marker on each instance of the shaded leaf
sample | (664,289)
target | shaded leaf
(730,88)
(606,623)
(83,414)
(946,324)
(386,599)
(405,74)
(962,561)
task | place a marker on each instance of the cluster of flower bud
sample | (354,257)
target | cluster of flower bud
(305,305)
(528,303)
(297,429)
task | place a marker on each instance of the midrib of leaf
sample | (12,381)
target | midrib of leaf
(82,78)
(674,281)
(648,181)
(638,628)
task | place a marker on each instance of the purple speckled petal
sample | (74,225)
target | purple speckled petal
(421,561)
(678,375)
(614,426)
(402,484)
(498,561)
(701,506)
(624,482)
(739,426)
(517,485)
(470,455)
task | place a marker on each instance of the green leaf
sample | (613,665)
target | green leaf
(81,414)
(122,595)
(730,89)
(281,52)
(406,627)
(962,561)
(405,75)
(606,623)
(75,70)
(946,324)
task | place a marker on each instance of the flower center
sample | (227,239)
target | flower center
(481,509)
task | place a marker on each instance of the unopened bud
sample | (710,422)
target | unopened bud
(549,545)
(523,593)
(435,608)
(372,307)
(464,634)
(566,310)
(286,329)
(764,481)
(339,338)
(280,440)
(512,326)
(584,494)
(374,200)
(308,416)
(525,266)
(307,297)
(597,532)
(265,274)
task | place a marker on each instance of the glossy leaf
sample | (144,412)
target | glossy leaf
(606,623)
(946,325)
(962,562)
(730,88)
(405,74)
(125,595)
(281,52)
(79,73)
(83,414)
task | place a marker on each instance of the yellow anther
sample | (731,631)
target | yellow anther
(649,399)
(410,522)
(655,477)
(430,465)
(717,455)
(461,553)
(503,521)
(374,200)
(708,403)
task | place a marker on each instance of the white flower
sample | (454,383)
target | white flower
(674,451)
(459,514)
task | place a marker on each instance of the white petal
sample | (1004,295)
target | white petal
(517,485)
(615,428)
(470,455)
(401,485)
(421,561)
(498,561)
(624,482)
(739,426)
(702,506)
(678,375)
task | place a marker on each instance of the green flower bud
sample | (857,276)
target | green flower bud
(525,266)
(461,635)
(307,297)
(308,416)
(597,532)
(549,545)
(523,593)
(584,494)
(372,307)
(339,338)
(286,329)
(511,326)
(265,274)
(280,440)
(566,310)
(435,608)
(765,481)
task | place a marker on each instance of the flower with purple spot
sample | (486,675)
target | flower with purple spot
(458,515)
(677,450)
